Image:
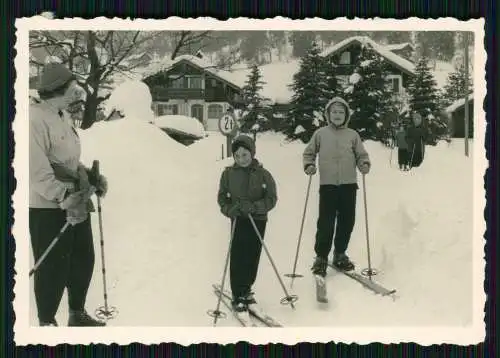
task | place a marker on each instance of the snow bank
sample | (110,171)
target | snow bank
(181,123)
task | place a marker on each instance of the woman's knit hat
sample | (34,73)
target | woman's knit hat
(54,76)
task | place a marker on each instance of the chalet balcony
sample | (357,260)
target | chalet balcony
(216,95)
(164,94)
(209,94)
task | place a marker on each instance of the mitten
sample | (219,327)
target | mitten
(233,211)
(364,168)
(102,186)
(310,169)
(247,207)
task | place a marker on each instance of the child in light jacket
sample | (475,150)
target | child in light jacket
(340,151)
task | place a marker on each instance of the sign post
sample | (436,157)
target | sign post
(228,127)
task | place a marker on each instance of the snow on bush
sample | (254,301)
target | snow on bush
(181,123)
(355,78)
(299,129)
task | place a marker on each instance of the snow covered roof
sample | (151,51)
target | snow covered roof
(458,103)
(390,56)
(167,64)
(401,46)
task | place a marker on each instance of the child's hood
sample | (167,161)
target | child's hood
(344,103)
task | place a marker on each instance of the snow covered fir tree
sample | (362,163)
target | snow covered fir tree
(370,98)
(313,85)
(254,103)
(455,87)
(424,99)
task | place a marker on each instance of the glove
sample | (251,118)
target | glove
(76,206)
(310,169)
(83,178)
(233,211)
(71,200)
(364,168)
(247,207)
(102,186)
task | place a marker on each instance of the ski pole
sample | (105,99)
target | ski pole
(411,159)
(49,248)
(217,312)
(288,299)
(293,275)
(103,312)
(369,271)
(390,158)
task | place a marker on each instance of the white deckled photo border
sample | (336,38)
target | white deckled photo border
(25,334)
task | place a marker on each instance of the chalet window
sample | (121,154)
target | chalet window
(176,82)
(345,58)
(167,109)
(215,111)
(395,83)
(194,82)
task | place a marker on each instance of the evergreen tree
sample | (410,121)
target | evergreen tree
(253,119)
(370,98)
(301,42)
(313,86)
(424,99)
(455,86)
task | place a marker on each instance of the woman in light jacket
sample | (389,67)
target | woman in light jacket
(59,193)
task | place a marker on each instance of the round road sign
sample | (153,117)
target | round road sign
(227,124)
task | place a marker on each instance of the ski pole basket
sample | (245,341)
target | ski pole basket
(369,272)
(216,314)
(289,300)
(106,313)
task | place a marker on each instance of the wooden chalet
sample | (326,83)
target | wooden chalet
(456,114)
(404,50)
(346,54)
(192,87)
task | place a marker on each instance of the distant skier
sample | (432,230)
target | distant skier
(245,187)
(401,143)
(340,151)
(415,138)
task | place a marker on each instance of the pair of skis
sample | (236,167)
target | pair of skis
(321,291)
(246,318)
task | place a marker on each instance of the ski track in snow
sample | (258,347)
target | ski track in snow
(166,241)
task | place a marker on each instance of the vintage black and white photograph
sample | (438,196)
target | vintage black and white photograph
(287,177)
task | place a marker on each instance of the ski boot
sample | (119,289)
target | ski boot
(239,304)
(319,266)
(342,262)
(82,319)
(51,323)
(249,298)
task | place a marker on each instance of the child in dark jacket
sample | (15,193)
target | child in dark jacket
(245,188)
(340,151)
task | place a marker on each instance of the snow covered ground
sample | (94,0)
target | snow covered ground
(165,239)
